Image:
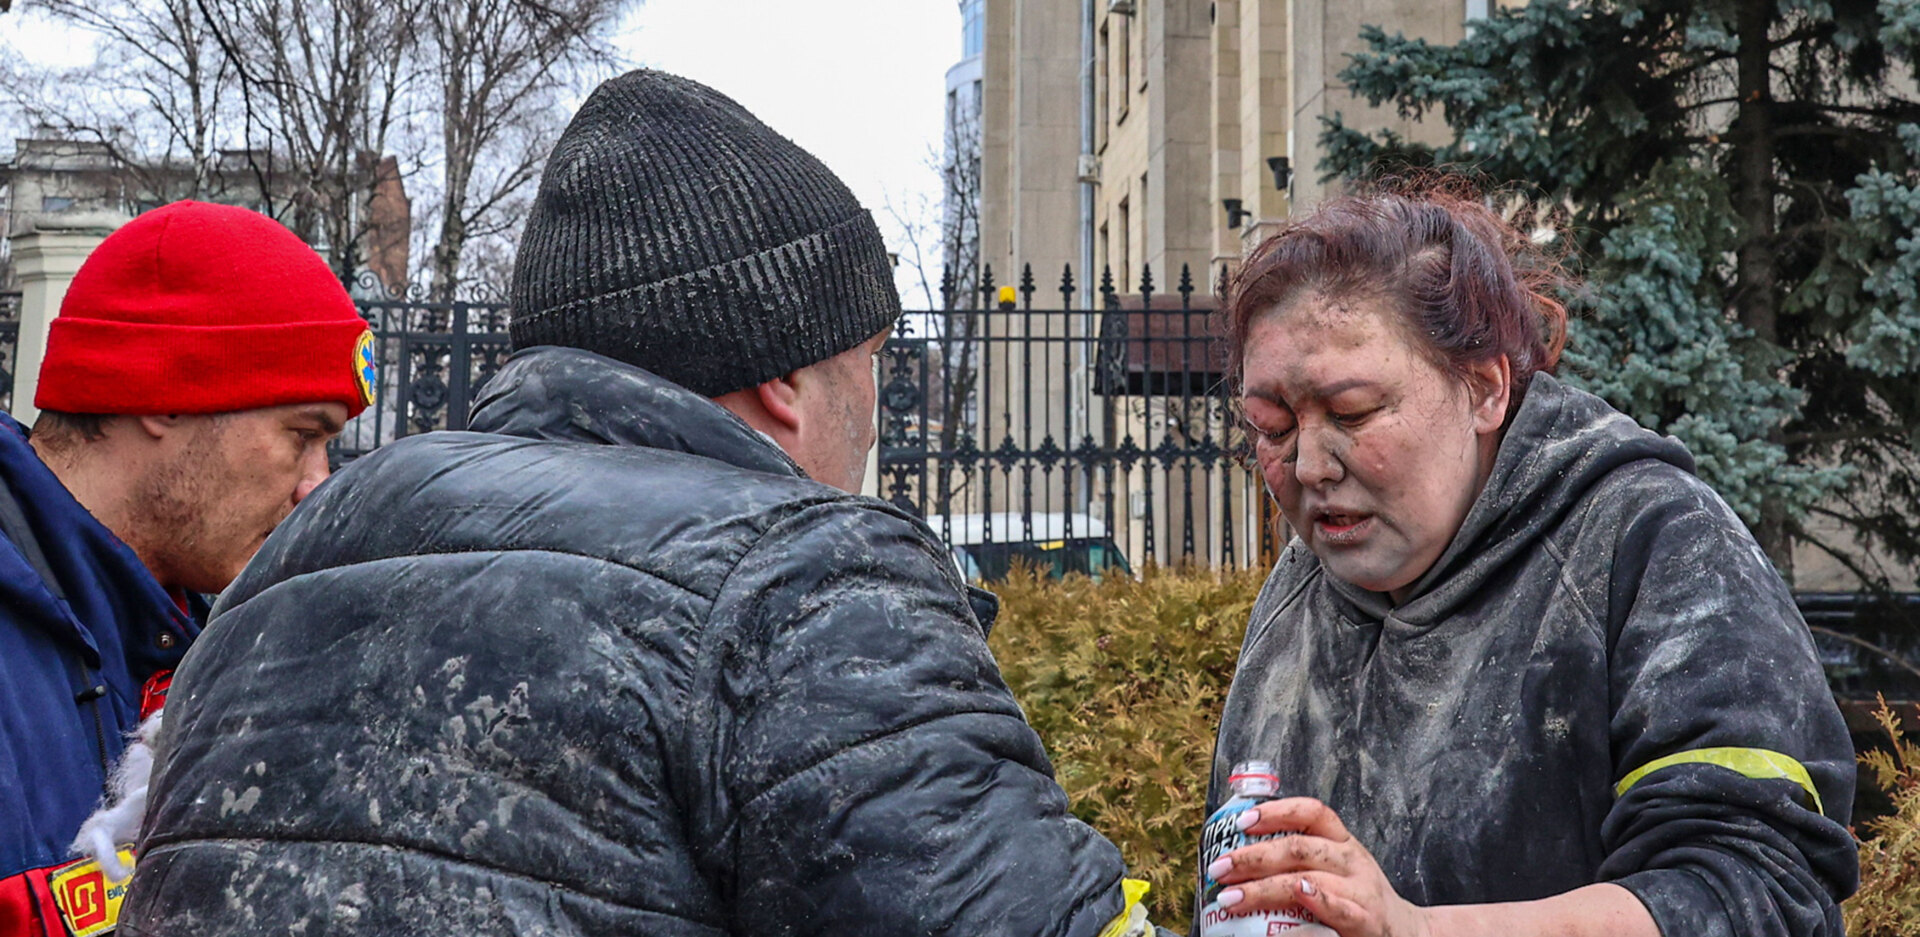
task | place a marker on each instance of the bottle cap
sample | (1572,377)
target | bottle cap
(1254,779)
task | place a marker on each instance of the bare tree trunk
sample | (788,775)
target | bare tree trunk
(153,99)
(1756,293)
(315,93)
(960,235)
(454,138)
(499,65)
(322,81)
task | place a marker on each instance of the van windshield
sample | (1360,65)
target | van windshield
(1052,558)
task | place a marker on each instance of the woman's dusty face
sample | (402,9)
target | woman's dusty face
(1374,453)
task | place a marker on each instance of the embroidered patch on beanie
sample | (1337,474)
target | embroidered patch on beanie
(365,373)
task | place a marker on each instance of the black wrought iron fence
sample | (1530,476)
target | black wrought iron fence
(432,357)
(1869,643)
(9,346)
(1078,439)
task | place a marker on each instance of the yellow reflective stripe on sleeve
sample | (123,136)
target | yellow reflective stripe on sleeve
(1755,763)
(1134,889)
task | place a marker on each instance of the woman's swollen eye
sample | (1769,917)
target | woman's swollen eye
(1353,418)
(1265,434)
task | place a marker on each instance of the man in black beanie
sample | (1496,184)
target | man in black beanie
(629,658)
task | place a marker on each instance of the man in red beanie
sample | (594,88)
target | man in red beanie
(201,361)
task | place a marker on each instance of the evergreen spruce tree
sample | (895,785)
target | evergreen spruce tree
(1738,178)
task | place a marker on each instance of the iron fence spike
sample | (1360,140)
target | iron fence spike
(997,431)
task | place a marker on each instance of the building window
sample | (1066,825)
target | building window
(973,27)
(1122,255)
(1125,71)
(51,203)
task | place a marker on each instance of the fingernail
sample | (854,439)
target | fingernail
(1220,866)
(1246,818)
(1230,897)
(1306,887)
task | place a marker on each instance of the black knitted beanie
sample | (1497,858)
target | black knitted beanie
(676,232)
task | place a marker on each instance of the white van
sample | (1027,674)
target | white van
(985,546)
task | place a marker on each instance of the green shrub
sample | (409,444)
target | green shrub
(1888,903)
(1125,679)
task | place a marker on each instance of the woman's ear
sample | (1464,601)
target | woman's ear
(1490,383)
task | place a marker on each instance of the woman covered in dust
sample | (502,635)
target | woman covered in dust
(1521,672)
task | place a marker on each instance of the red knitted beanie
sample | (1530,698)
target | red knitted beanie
(198,308)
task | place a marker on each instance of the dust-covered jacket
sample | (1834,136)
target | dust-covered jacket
(1602,679)
(608,665)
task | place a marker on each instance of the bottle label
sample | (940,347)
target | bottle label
(1219,837)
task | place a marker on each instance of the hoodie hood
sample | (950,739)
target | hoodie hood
(1560,444)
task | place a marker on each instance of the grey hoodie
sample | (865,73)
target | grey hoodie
(1600,609)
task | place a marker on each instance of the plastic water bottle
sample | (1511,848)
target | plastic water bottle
(1253,783)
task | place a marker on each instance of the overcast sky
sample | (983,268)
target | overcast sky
(33,39)
(860,83)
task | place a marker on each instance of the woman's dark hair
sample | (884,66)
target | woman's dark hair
(1469,287)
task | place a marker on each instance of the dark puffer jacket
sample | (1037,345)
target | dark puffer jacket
(1602,679)
(609,665)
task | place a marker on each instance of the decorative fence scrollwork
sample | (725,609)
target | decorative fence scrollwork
(1021,429)
(1012,429)
(432,357)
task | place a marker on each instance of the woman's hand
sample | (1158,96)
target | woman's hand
(1323,869)
(1327,872)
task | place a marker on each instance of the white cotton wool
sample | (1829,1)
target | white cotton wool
(117,823)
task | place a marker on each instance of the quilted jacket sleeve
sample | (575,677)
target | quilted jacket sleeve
(879,777)
(1735,772)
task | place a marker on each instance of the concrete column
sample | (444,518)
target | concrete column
(1226,138)
(1324,33)
(45,257)
(870,482)
(1267,55)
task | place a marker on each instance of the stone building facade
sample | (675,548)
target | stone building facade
(1129,133)
(51,176)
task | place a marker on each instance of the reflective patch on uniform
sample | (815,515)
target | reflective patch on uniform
(363,367)
(88,903)
(1757,763)
(1131,920)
